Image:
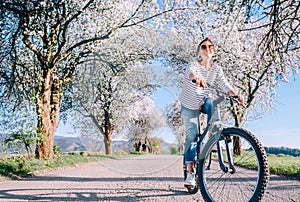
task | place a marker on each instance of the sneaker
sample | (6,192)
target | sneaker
(190,180)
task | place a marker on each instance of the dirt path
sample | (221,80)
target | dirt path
(144,178)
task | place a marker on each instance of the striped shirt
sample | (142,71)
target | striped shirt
(192,97)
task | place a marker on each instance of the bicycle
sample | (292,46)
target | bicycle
(221,175)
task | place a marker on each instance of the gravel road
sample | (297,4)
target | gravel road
(142,178)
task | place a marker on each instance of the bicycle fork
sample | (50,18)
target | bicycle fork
(228,153)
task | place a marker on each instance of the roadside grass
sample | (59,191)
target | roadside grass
(19,166)
(281,164)
(16,167)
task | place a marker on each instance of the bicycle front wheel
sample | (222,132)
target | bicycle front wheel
(246,180)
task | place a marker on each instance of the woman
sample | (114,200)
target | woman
(203,71)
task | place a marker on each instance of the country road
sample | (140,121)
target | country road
(142,178)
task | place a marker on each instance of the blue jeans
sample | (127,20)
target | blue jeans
(191,128)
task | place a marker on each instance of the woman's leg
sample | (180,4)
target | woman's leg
(208,108)
(191,127)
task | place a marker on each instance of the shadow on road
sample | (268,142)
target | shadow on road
(108,179)
(134,189)
(82,193)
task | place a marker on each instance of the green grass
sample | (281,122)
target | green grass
(15,167)
(278,164)
(285,165)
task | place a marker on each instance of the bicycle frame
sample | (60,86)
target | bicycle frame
(213,181)
(215,126)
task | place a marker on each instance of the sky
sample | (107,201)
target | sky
(281,127)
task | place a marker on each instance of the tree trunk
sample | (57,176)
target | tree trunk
(108,144)
(48,115)
(107,134)
(147,142)
(237,146)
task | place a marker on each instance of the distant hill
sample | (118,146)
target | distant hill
(120,146)
(71,144)
(165,147)
(68,144)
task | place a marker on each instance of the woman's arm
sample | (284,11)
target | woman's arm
(223,81)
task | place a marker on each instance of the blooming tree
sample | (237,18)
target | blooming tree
(44,41)
(143,119)
(18,127)
(174,118)
(103,92)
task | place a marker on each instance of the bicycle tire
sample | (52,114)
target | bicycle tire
(243,185)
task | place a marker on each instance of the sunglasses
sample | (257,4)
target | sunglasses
(203,47)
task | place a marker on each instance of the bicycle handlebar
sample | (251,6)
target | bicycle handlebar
(234,97)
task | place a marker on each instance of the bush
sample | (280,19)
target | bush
(14,166)
(174,150)
(56,150)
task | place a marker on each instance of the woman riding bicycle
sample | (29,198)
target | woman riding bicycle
(203,71)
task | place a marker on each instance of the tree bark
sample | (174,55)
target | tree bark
(107,134)
(108,144)
(105,130)
(48,116)
(237,146)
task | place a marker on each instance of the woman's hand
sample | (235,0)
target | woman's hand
(240,97)
(200,82)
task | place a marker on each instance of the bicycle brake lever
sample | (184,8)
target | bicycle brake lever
(235,98)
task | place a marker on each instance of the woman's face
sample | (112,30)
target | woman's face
(206,50)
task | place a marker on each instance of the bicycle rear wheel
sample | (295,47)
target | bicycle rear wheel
(249,178)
